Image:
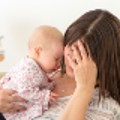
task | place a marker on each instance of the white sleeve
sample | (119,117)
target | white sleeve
(107,109)
(117,112)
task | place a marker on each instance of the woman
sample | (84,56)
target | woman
(91,41)
(99,31)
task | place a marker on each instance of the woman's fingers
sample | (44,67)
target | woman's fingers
(77,55)
(12,108)
(7,107)
(16,99)
(9,92)
(82,50)
(18,108)
(9,101)
(12,97)
(71,61)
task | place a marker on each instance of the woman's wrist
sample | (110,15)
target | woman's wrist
(85,93)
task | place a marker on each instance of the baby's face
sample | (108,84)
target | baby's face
(50,59)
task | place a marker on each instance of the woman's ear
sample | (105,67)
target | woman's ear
(37,50)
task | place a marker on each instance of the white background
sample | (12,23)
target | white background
(18,18)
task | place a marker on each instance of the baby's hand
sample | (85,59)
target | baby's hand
(53,97)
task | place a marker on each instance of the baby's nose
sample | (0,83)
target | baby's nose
(58,65)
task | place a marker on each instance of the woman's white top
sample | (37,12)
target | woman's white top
(106,109)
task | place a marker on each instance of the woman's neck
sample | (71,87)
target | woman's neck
(64,86)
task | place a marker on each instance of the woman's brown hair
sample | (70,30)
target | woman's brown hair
(100,30)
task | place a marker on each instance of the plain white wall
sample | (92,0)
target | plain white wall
(18,18)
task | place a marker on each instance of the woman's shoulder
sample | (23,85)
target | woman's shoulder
(105,107)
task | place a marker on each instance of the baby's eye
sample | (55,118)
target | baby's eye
(58,59)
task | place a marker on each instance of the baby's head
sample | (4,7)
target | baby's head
(46,47)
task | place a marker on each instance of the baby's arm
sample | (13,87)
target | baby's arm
(31,88)
(37,96)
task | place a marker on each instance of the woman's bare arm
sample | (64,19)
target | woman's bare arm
(77,106)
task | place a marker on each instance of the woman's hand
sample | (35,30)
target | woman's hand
(84,68)
(8,102)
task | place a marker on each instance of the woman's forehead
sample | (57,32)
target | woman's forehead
(76,42)
(73,44)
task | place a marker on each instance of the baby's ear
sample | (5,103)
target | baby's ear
(37,50)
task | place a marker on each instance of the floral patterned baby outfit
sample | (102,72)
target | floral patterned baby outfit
(31,83)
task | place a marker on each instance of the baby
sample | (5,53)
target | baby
(29,76)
